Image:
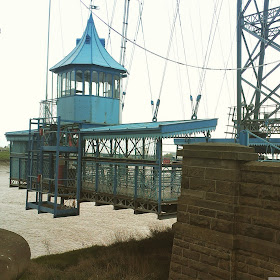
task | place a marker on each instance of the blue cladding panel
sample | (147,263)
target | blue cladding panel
(93,109)
(66,108)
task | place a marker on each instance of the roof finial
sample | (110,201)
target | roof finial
(93,7)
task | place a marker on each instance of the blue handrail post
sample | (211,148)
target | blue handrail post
(244,138)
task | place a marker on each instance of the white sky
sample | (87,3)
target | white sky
(23,49)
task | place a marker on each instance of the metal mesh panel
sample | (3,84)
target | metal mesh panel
(71,176)
(34,171)
(46,168)
(88,176)
(171,183)
(125,180)
(106,178)
(147,183)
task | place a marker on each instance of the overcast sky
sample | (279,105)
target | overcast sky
(212,23)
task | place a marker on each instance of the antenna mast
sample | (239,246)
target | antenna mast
(124,32)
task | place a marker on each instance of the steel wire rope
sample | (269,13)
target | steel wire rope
(111,23)
(179,62)
(209,46)
(195,47)
(185,56)
(225,72)
(148,71)
(176,54)
(166,61)
(132,52)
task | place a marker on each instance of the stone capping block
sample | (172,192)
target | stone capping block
(264,167)
(219,151)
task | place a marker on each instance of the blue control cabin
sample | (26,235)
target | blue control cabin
(89,82)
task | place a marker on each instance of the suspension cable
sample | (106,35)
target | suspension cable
(185,56)
(179,62)
(111,22)
(178,69)
(166,61)
(209,46)
(148,71)
(226,64)
(132,52)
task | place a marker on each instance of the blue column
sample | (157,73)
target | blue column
(79,171)
(136,171)
(115,179)
(159,162)
(97,167)
(56,166)
(244,138)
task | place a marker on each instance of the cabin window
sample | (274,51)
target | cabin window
(72,83)
(108,86)
(94,84)
(87,90)
(101,83)
(63,84)
(79,82)
(116,87)
(68,81)
(59,85)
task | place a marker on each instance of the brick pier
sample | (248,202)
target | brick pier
(228,225)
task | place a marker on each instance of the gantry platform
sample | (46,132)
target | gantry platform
(120,165)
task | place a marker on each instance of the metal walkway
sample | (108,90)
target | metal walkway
(119,165)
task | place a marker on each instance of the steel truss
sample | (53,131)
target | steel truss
(128,173)
(66,168)
(257,84)
(53,163)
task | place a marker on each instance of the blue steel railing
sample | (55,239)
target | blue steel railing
(244,139)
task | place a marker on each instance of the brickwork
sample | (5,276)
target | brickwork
(228,223)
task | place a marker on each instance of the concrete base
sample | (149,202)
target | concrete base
(14,255)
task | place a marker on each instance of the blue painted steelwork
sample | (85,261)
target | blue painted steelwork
(171,129)
(51,159)
(70,164)
(256,110)
(89,51)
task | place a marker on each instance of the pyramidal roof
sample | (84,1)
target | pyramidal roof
(89,50)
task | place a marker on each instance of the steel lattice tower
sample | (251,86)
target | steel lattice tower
(258,61)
